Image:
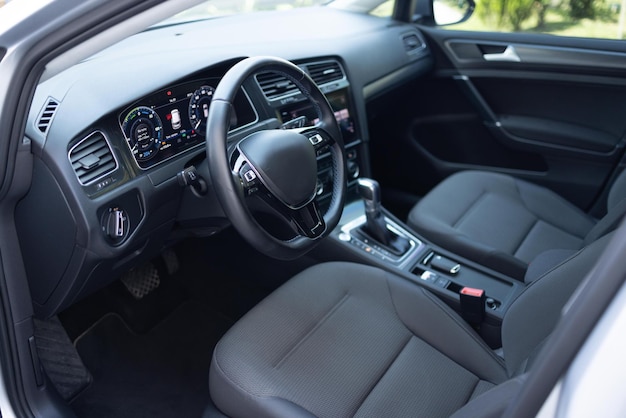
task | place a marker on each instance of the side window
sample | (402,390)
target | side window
(383,9)
(581,18)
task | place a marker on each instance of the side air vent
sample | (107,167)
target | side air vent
(412,43)
(47,114)
(275,85)
(325,72)
(92,158)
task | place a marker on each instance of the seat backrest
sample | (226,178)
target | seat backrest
(616,209)
(534,314)
(617,193)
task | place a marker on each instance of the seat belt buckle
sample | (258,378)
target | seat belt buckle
(472,304)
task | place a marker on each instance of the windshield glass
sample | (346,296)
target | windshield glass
(217,8)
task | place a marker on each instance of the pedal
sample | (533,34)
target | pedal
(171,261)
(141,280)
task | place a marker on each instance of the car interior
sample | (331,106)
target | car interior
(315,212)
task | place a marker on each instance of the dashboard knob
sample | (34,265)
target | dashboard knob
(115,224)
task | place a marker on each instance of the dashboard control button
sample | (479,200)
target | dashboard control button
(115,225)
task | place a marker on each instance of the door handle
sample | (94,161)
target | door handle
(509,55)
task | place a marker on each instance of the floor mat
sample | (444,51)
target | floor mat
(162,373)
(59,358)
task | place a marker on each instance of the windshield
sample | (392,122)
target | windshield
(217,8)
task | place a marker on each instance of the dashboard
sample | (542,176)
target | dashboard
(111,135)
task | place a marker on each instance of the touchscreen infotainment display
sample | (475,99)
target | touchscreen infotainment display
(305,114)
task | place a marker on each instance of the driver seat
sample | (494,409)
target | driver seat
(343,339)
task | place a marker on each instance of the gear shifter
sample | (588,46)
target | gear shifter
(370,192)
(376,226)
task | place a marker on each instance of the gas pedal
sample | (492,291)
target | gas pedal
(142,280)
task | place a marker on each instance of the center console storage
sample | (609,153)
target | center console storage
(459,276)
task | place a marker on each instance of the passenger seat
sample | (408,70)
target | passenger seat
(503,223)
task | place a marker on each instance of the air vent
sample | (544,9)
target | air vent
(92,158)
(275,85)
(47,114)
(325,72)
(412,43)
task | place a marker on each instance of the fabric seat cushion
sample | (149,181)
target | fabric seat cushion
(498,221)
(342,339)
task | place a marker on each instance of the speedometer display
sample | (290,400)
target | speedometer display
(199,108)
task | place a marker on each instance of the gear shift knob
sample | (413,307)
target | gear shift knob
(370,192)
(375,223)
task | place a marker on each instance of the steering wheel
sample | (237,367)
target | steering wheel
(278,166)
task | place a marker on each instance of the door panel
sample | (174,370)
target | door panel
(480,53)
(547,109)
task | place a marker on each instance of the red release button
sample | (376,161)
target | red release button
(470,291)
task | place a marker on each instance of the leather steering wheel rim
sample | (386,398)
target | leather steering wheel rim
(230,185)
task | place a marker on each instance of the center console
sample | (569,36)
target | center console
(480,295)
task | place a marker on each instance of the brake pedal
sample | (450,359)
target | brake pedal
(170,259)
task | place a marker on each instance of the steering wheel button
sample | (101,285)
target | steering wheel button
(316,139)
(250,176)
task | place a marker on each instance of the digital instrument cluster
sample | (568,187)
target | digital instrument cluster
(173,120)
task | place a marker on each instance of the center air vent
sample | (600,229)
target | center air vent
(47,114)
(275,85)
(92,158)
(325,72)
(322,72)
